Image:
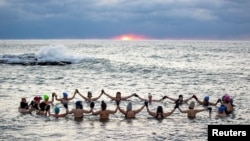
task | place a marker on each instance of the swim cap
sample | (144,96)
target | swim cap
(45,97)
(79,104)
(57,110)
(129,106)
(227,98)
(222,108)
(206,98)
(65,94)
(191,105)
(36,98)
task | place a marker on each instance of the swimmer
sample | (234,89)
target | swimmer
(65,100)
(89,97)
(57,111)
(205,101)
(159,114)
(129,113)
(221,112)
(24,107)
(104,113)
(79,112)
(191,112)
(180,99)
(150,99)
(118,96)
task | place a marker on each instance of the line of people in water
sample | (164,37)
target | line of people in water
(42,106)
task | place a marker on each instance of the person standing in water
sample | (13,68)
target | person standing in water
(89,97)
(104,113)
(65,100)
(159,114)
(150,98)
(118,96)
(24,107)
(129,113)
(79,112)
(191,112)
(179,100)
(57,111)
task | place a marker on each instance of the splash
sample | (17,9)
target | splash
(49,55)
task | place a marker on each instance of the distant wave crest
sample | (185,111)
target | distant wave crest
(49,55)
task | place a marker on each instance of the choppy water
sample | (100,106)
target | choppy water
(159,67)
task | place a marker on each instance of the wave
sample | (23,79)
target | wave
(49,55)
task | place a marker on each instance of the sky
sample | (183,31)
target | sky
(113,19)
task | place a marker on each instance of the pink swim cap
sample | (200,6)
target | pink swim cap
(227,98)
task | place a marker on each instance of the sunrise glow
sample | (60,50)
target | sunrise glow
(129,37)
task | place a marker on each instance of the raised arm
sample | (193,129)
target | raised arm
(96,98)
(169,113)
(113,111)
(85,98)
(186,100)
(197,100)
(182,111)
(96,113)
(73,95)
(58,99)
(173,99)
(150,112)
(141,98)
(139,110)
(127,97)
(108,95)
(121,110)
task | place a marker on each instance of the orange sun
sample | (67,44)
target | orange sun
(129,37)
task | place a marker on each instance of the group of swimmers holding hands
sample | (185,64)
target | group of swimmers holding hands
(42,106)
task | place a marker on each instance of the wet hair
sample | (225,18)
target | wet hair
(89,93)
(159,111)
(180,95)
(103,105)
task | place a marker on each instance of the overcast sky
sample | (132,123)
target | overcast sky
(106,19)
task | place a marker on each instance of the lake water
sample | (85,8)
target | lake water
(159,67)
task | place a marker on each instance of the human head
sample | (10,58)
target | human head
(79,105)
(159,109)
(45,97)
(103,105)
(227,99)
(57,110)
(36,98)
(206,98)
(191,105)
(129,106)
(118,96)
(149,96)
(221,109)
(65,95)
(180,97)
(89,94)
(23,99)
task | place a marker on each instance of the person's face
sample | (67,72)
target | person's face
(89,95)
(23,100)
(118,96)
(181,98)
